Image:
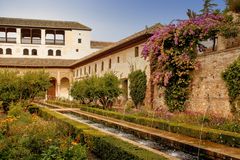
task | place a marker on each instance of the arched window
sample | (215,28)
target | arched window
(25,52)
(8,51)
(58,53)
(1,51)
(50,52)
(34,52)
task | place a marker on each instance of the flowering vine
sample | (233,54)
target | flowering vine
(172,51)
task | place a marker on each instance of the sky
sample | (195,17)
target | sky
(111,20)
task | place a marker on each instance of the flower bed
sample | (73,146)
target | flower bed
(26,136)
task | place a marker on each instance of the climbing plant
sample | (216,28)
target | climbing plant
(172,51)
(232,78)
(138,85)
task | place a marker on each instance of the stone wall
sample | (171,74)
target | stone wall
(208,90)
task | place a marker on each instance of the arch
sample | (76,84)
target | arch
(1,51)
(25,51)
(64,87)
(8,51)
(58,53)
(50,52)
(51,93)
(34,52)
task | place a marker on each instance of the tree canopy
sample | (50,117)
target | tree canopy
(14,87)
(103,90)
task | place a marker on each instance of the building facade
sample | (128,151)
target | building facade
(29,38)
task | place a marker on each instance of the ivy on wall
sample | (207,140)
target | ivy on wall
(232,78)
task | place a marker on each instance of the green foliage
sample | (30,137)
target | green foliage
(232,78)
(138,85)
(97,89)
(28,86)
(74,152)
(175,96)
(36,138)
(34,84)
(233,5)
(78,91)
(9,87)
(229,28)
(109,89)
(53,152)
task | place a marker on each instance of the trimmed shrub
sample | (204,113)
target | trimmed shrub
(138,85)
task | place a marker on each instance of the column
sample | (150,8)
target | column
(58,87)
(43,36)
(18,38)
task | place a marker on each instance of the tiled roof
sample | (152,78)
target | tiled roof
(126,41)
(35,62)
(20,22)
(100,44)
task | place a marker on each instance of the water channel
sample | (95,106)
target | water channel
(148,143)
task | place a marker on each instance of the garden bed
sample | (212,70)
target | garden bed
(26,136)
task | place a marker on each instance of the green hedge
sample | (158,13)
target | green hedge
(218,136)
(101,144)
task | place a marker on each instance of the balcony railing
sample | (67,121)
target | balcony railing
(51,42)
(3,39)
(8,40)
(26,41)
(36,41)
(29,41)
(11,40)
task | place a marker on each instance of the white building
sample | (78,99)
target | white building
(31,38)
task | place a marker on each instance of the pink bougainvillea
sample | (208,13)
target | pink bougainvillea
(172,52)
